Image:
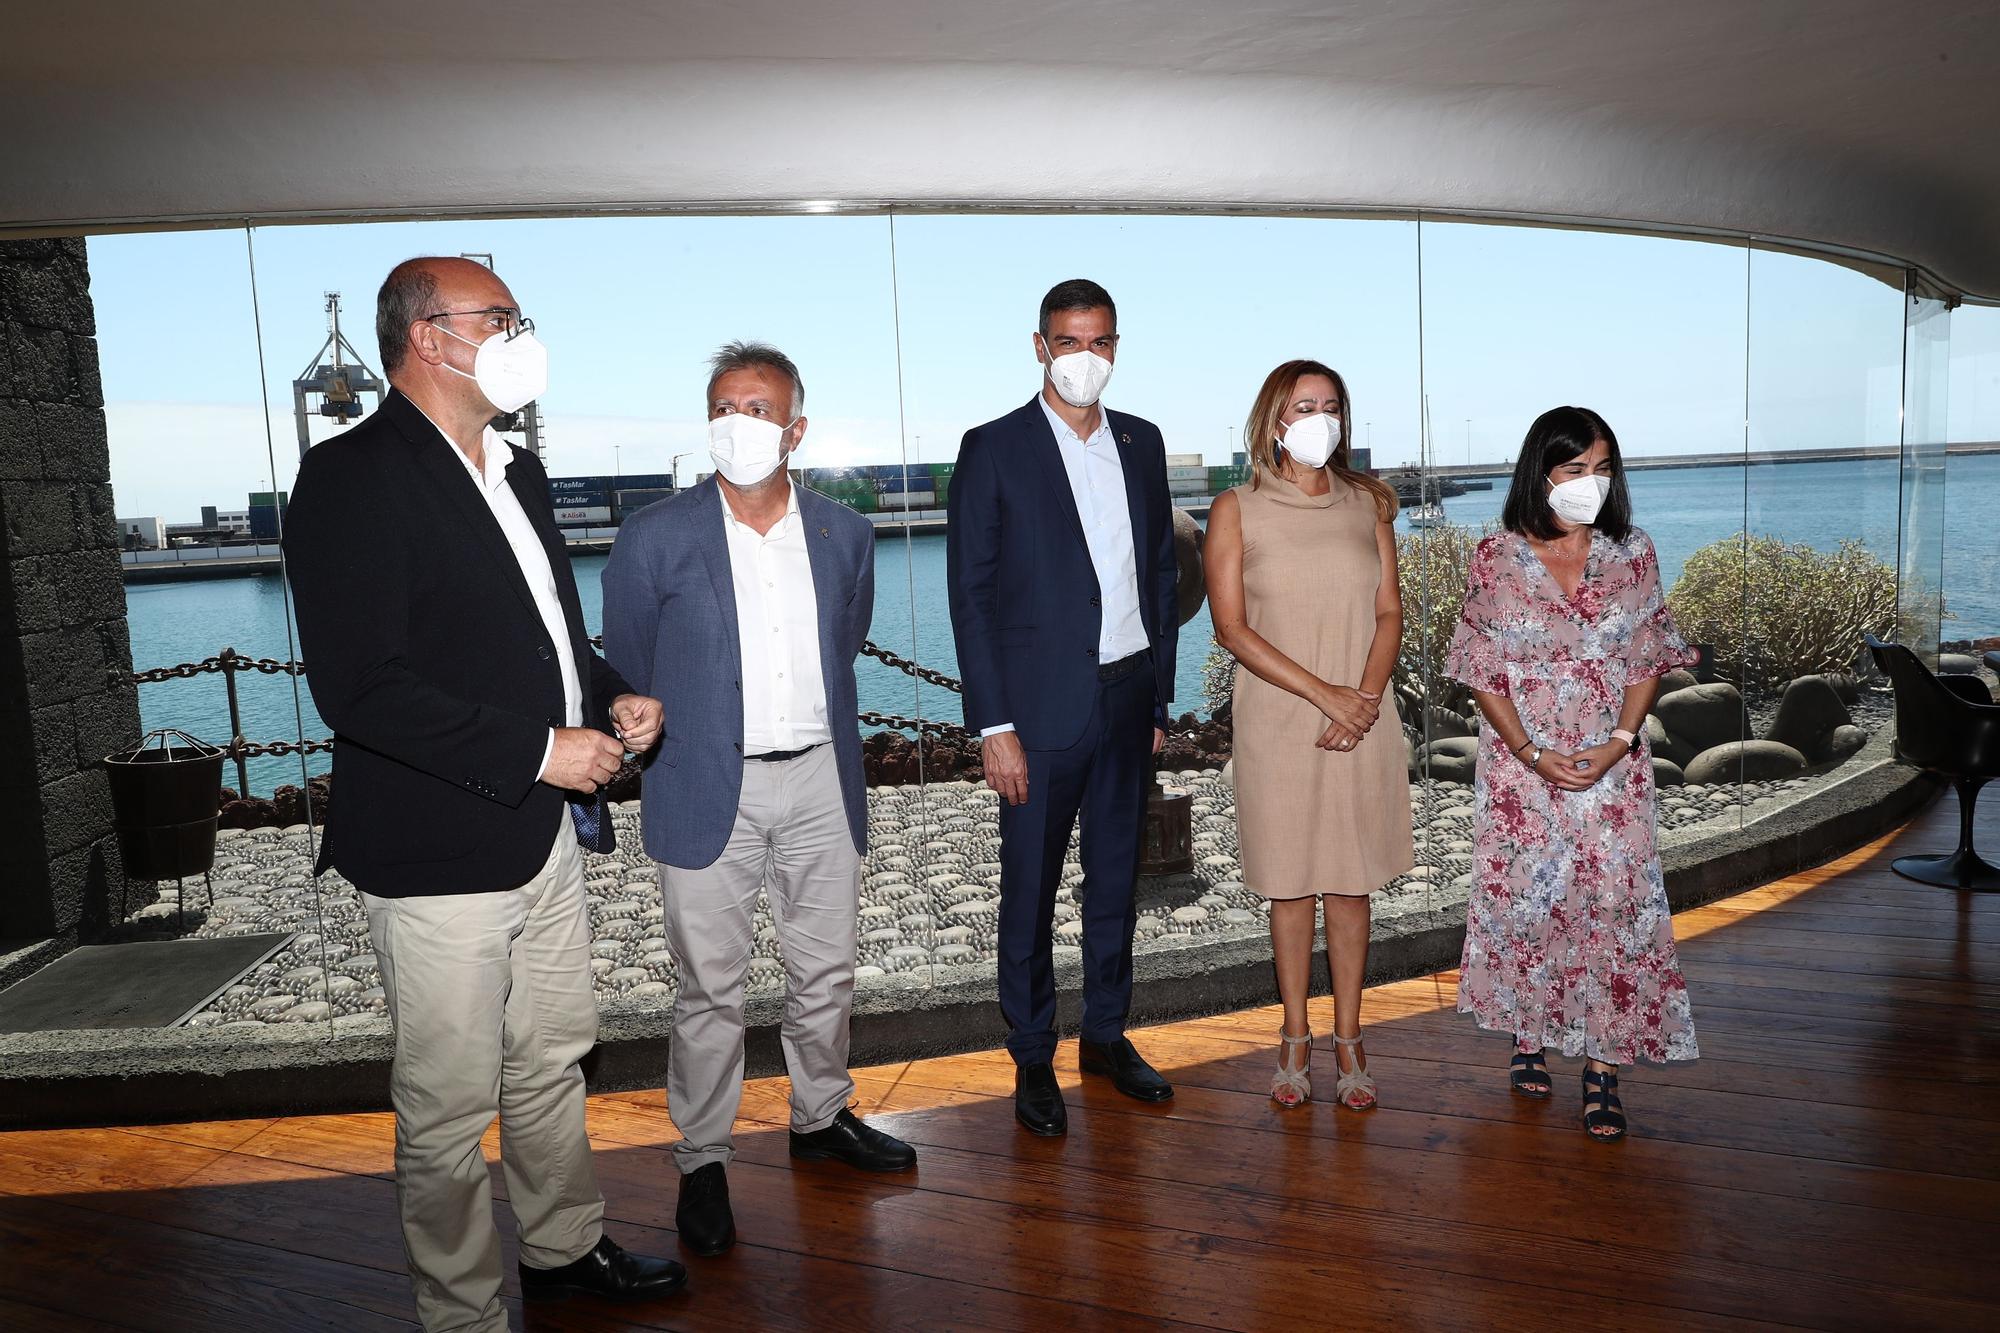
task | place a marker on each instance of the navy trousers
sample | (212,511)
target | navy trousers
(1102,780)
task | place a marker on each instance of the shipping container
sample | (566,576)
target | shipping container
(1222,478)
(264,522)
(907,500)
(631,502)
(1183,460)
(266,499)
(1187,473)
(579,499)
(583,515)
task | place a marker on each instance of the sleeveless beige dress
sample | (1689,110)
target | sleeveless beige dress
(1313,821)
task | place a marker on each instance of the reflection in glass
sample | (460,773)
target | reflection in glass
(1920,593)
(1819,551)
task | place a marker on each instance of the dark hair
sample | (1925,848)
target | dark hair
(408,294)
(754,356)
(1559,435)
(1076,294)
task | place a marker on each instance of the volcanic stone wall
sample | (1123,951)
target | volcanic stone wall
(65,655)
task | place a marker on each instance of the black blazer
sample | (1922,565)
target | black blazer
(1025,605)
(426,655)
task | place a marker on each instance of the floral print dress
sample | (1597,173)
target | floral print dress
(1569,944)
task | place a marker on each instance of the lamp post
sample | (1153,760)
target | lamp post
(1468,441)
(674,465)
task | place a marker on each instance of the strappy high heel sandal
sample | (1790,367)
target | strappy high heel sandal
(1355,1090)
(1293,1087)
(1601,1107)
(1528,1072)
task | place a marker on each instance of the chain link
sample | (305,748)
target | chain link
(271,666)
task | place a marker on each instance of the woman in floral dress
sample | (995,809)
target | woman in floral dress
(1569,942)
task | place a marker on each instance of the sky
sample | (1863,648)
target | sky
(909,330)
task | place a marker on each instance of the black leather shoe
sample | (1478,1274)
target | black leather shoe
(1127,1069)
(1038,1102)
(848,1140)
(702,1216)
(608,1273)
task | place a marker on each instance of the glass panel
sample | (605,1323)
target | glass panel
(177,342)
(1646,331)
(1920,605)
(1207,307)
(1971,575)
(631,310)
(1825,352)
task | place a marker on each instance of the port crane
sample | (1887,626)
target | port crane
(337,376)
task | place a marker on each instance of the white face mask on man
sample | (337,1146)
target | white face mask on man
(746,449)
(511,372)
(1578,499)
(1311,440)
(1079,377)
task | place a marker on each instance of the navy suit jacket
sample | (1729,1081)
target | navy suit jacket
(425,653)
(670,624)
(1025,606)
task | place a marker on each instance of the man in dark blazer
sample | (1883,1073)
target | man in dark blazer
(473,727)
(750,596)
(1060,560)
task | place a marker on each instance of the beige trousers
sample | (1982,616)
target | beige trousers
(791,838)
(491,998)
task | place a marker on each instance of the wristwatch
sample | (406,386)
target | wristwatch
(1631,741)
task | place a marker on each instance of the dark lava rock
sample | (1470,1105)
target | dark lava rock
(1444,722)
(1808,715)
(1666,773)
(1843,744)
(1746,761)
(1704,716)
(1680,678)
(1957,664)
(1663,744)
(1451,758)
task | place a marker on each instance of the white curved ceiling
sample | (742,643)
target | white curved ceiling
(1861,126)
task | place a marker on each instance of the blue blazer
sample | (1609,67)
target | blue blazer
(1025,605)
(670,618)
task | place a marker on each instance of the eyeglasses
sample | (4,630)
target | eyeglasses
(516,323)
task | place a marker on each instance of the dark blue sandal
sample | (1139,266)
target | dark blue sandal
(1529,1073)
(1601,1108)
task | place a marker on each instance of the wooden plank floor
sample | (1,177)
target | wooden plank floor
(1833,1160)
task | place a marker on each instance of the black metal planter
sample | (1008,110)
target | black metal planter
(166,799)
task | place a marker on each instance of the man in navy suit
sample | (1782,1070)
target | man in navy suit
(1060,560)
(744,601)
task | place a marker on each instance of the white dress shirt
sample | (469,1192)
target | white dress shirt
(1097,480)
(777,622)
(533,559)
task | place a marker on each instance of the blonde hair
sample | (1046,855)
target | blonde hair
(1260,432)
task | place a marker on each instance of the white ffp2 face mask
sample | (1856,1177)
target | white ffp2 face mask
(511,372)
(1080,377)
(746,449)
(1311,440)
(1578,499)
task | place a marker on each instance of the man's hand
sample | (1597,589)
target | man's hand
(1006,766)
(582,759)
(1159,739)
(638,720)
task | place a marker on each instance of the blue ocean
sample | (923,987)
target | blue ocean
(1820,504)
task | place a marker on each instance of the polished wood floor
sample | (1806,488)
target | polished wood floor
(1833,1160)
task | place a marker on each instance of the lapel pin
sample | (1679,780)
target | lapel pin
(824,533)
(1124,439)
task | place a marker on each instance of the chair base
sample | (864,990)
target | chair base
(1962,869)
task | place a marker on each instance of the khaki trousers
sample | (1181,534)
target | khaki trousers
(791,838)
(492,1002)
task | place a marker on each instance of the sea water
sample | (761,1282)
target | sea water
(1818,504)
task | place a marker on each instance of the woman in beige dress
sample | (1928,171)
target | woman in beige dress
(1301,567)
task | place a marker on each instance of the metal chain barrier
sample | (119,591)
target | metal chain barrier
(239,749)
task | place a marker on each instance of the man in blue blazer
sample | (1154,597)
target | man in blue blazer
(743,602)
(1060,559)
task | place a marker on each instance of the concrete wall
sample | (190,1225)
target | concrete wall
(65,655)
